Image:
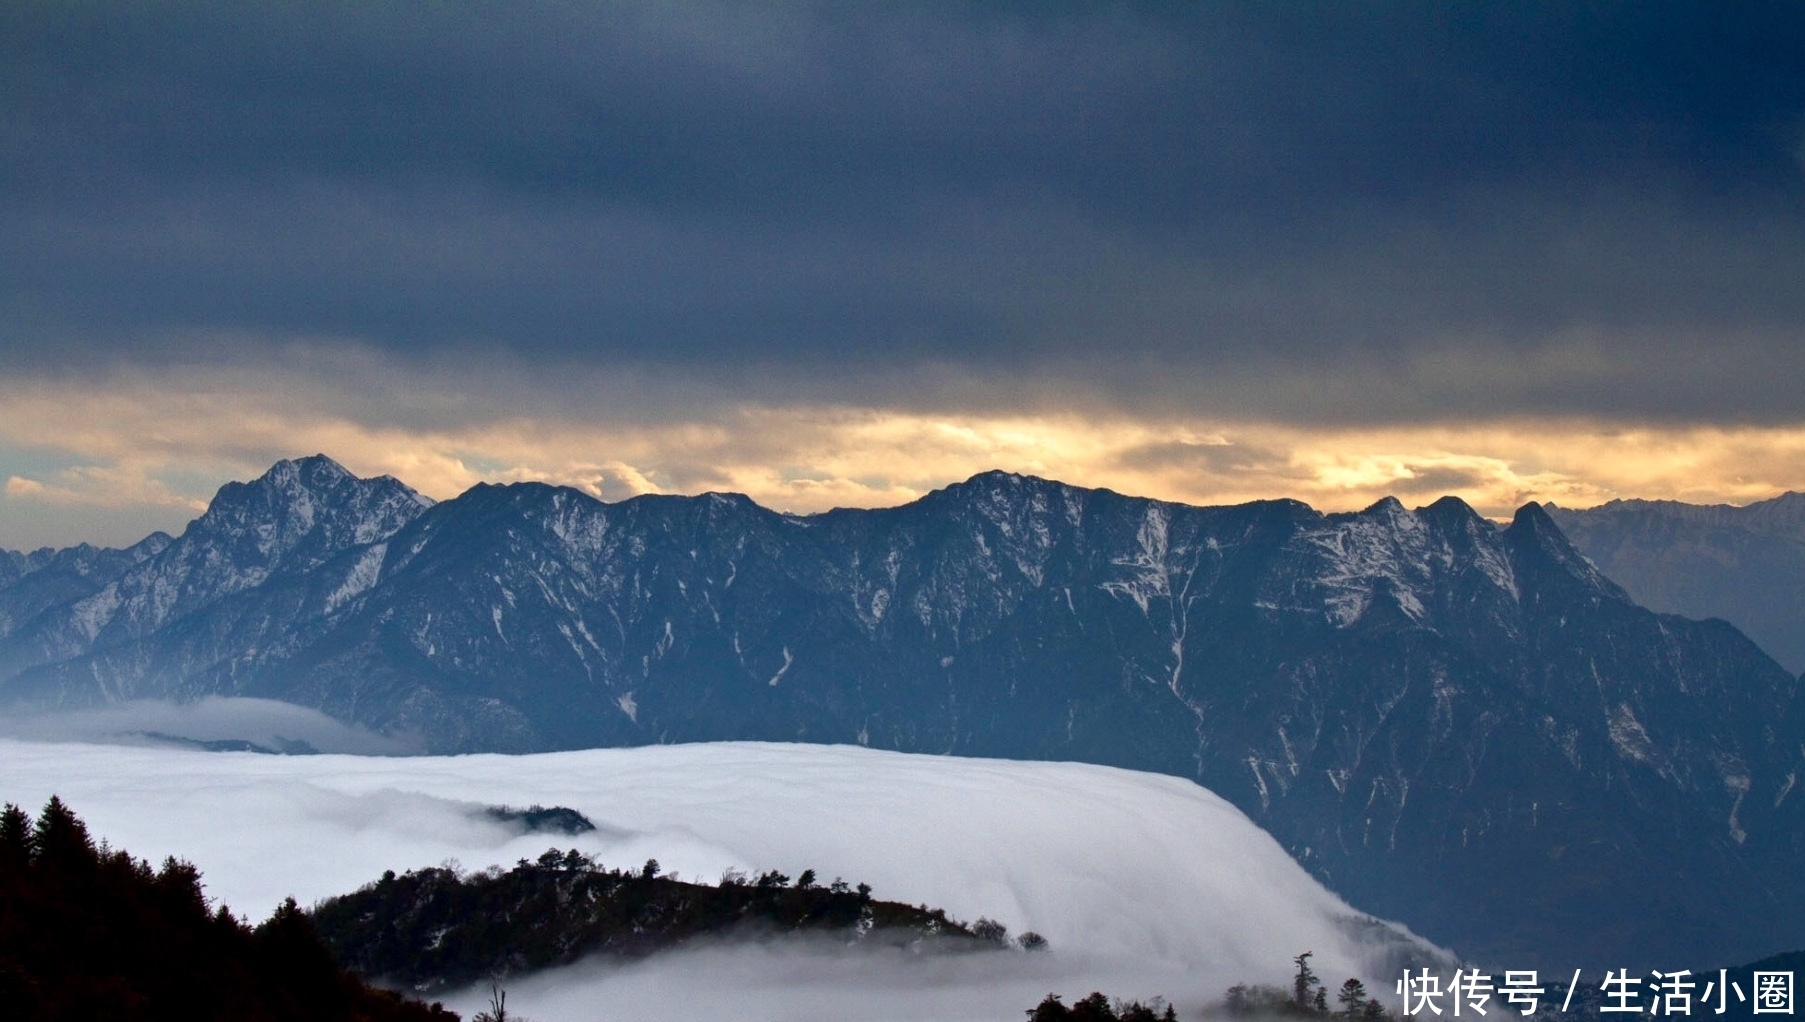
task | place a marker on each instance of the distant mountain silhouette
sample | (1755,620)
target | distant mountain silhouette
(1743,564)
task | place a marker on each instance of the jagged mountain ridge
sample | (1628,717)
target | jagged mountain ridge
(238,579)
(31,583)
(1412,702)
(1743,564)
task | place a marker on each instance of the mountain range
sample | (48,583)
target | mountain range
(1462,725)
(1743,564)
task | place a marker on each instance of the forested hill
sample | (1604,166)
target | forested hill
(91,933)
(435,928)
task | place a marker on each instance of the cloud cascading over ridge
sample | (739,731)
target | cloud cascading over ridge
(1146,885)
(696,246)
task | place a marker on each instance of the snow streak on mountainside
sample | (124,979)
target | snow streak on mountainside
(33,583)
(1463,726)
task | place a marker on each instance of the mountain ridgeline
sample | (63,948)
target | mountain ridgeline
(1743,564)
(1459,725)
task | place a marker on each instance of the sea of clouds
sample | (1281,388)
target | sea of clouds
(1145,884)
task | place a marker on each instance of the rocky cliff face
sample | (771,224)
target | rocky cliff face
(1456,724)
(1743,564)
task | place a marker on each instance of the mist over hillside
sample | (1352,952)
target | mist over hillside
(1145,885)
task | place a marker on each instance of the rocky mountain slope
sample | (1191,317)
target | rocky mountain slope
(263,561)
(1743,564)
(1456,724)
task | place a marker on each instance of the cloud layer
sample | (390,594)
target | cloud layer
(1145,884)
(263,722)
(147,452)
(636,229)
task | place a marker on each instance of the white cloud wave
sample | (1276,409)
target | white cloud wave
(1146,885)
(263,722)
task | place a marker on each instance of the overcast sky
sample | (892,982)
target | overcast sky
(841,254)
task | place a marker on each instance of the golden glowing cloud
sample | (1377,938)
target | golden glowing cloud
(132,437)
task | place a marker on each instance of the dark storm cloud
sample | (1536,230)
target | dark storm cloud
(1330,212)
(1213,458)
(1429,483)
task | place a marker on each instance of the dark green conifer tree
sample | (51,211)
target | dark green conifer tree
(92,933)
(1306,990)
(1352,998)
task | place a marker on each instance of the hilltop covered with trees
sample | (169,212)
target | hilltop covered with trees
(1098,1008)
(1307,999)
(438,928)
